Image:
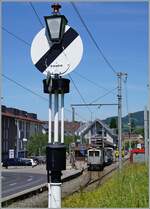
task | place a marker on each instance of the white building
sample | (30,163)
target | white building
(91,130)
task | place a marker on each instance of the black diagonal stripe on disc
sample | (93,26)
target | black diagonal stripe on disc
(56,50)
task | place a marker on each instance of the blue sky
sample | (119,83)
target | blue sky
(120,29)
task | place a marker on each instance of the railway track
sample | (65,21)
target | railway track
(86,182)
(96,178)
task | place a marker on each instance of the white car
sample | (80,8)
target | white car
(29,161)
(34,163)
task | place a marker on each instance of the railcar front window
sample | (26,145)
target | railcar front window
(90,153)
(97,153)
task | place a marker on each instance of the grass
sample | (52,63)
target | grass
(125,189)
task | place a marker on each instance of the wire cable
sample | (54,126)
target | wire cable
(90,81)
(24,87)
(92,38)
(36,14)
(28,44)
(83,100)
(34,93)
(20,39)
(17,37)
(95,100)
(77,114)
(66,55)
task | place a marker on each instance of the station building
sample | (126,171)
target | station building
(17,127)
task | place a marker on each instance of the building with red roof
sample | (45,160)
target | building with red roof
(17,127)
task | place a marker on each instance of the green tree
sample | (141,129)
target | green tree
(113,123)
(36,145)
(68,140)
(133,125)
(139,131)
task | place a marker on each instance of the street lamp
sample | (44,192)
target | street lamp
(55,25)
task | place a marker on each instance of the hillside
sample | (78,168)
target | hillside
(137,117)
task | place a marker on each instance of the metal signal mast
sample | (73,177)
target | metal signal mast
(120,76)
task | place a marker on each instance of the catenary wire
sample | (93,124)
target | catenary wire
(34,93)
(93,39)
(95,100)
(17,37)
(69,76)
(82,98)
(74,72)
(28,44)
(99,86)
(36,14)
(27,89)
(20,39)
(90,81)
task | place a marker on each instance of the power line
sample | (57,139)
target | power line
(36,14)
(8,78)
(20,39)
(34,93)
(74,72)
(90,81)
(24,87)
(28,44)
(83,100)
(17,37)
(95,100)
(75,114)
(80,74)
(92,38)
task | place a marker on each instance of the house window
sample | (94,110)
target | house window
(35,128)
(3,146)
(23,125)
(8,123)
(6,133)
(22,134)
(21,145)
(6,148)
(20,124)
(100,132)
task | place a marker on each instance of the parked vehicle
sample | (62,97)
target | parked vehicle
(39,159)
(108,153)
(28,161)
(18,162)
(95,159)
(11,162)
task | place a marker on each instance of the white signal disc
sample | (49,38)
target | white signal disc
(47,59)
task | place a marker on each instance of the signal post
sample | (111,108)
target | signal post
(56,51)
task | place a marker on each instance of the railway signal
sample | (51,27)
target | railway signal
(56,51)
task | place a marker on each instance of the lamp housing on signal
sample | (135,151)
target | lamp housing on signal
(55,27)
